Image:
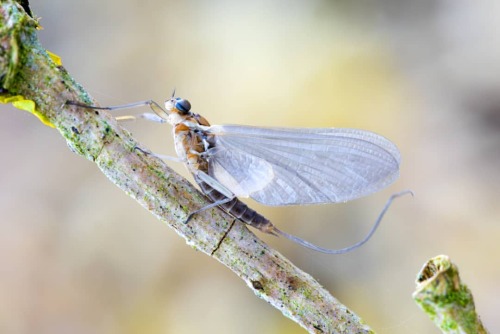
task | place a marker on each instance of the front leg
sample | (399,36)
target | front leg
(147,116)
(150,103)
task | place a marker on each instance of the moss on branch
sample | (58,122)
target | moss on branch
(445,299)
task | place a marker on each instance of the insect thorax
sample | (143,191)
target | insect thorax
(191,143)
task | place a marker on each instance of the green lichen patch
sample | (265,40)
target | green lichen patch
(447,301)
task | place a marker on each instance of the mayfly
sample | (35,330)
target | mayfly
(275,166)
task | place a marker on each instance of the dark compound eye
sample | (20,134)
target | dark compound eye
(182,105)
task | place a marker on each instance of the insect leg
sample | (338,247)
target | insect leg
(147,116)
(211,205)
(158,110)
(201,176)
(152,104)
(159,156)
(216,185)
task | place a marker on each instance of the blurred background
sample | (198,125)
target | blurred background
(79,256)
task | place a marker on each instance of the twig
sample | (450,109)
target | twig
(27,71)
(446,300)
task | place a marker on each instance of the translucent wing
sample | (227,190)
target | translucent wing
(279,166)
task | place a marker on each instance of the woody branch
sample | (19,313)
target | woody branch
(28,71)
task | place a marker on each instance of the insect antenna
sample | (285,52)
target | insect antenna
(309,245)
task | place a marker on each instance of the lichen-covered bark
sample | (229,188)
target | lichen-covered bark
(445,299)
(27,71)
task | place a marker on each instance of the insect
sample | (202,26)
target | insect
(275,166)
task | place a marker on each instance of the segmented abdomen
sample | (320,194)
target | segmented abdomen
(237,208)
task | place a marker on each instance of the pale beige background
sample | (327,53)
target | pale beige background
(78,256)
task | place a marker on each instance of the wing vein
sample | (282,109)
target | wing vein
(278,166)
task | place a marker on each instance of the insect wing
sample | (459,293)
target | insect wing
(278,166)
